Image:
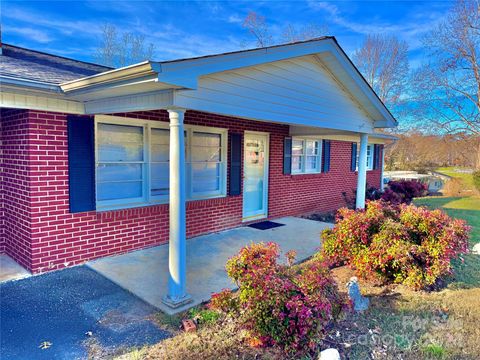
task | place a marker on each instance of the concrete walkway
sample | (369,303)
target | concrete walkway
(10,270)
(144,272)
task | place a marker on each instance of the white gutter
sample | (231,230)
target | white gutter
(35,84)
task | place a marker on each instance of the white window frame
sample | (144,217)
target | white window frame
(303,170)
(370,151)
(147,199)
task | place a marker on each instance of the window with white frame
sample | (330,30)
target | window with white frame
(306,156)
(132,162)
(369,156)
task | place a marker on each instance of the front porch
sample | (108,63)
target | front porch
(144,272)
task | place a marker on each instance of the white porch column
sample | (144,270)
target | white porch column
(362,172)
(177,294)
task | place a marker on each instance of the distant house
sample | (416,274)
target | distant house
(99,161)
(434,181)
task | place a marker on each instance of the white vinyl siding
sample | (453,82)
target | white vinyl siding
(297,91)
(132,162)
(306,156)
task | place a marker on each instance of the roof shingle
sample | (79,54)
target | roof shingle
(34,65)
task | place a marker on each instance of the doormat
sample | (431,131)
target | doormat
(265,225)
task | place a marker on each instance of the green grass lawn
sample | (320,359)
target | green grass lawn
(467,272)
(466,178)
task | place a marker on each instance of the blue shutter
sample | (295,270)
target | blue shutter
(325,155)
(287,156)
(354,157)
(235,187)
(81,163)
(376,156)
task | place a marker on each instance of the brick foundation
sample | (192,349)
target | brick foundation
(38,231)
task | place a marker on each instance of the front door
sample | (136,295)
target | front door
(255,176)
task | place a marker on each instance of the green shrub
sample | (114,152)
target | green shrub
(402,244)
(476,179)
(282,305)
(203,316)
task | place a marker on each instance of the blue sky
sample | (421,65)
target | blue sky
(191,28)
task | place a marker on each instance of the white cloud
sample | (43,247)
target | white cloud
(234,19)
(67,27)
(34,34)
(411,31)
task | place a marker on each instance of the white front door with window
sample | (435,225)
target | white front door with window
(255,176)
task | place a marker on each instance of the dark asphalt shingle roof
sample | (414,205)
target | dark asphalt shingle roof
(34,65)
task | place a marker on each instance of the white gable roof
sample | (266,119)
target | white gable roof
(309,83)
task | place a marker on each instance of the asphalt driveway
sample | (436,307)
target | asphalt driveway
(60,309)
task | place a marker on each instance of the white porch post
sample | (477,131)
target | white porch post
(362,172)
(177,294)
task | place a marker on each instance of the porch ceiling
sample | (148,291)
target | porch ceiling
(332,134)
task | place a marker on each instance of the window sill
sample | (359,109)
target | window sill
(156,203)
(307,173)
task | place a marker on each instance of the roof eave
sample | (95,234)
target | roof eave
(132,72)
(28,83)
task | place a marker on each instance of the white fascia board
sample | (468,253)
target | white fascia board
(107,78)
(185,73)
(140,102)
(27,83)
(39,101)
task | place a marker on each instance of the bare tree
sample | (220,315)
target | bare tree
(307,32)
(118,50)
(383,61)
(448,86)
(257,26)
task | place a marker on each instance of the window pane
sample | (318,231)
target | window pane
(206,139)
(160,137)
(206,185)
(118,172)
(160,140)
(311,163)
(120,143)
(297,147)
(119,190)
(206,154)
(160,186)
(297,163)
(206,177)
(312,147)
(160,152)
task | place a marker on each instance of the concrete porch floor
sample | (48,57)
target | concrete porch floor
(10,270)
(144,272)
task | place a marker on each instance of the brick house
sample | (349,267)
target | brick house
(98,161)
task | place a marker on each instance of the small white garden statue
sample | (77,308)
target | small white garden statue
(329,354)
(360,303)
(476,249)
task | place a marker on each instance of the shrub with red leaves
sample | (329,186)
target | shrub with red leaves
(277,304)
(403,191)
(402,244)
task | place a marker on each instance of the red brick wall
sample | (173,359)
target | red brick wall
(51,237)
(16,169)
